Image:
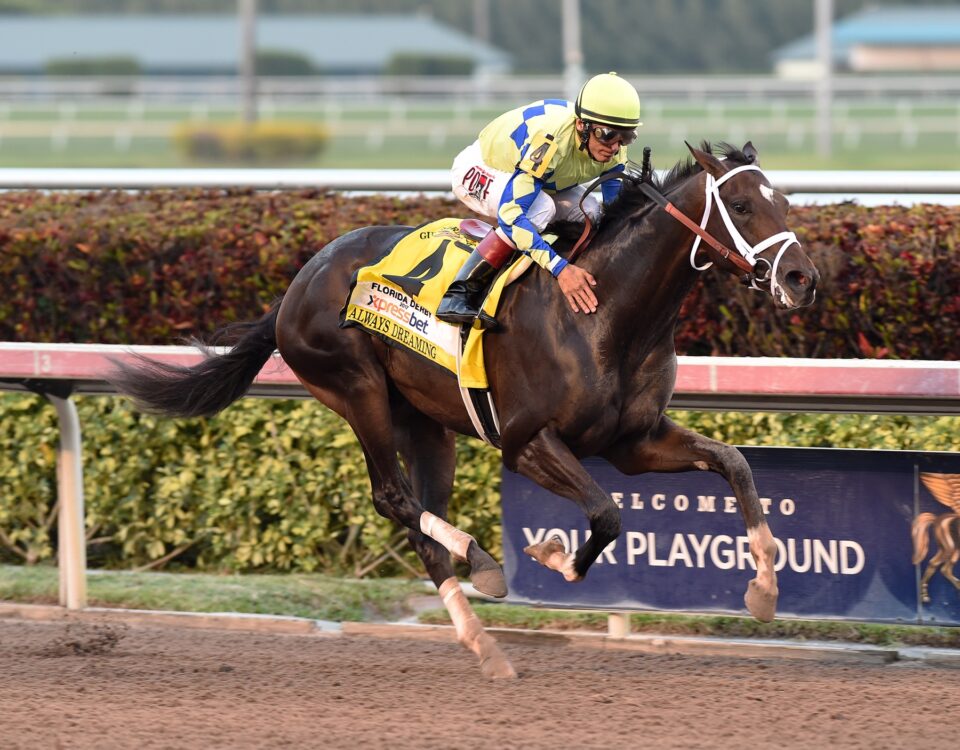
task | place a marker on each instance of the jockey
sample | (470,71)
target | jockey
(527,168)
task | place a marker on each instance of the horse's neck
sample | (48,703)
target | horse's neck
(648,273)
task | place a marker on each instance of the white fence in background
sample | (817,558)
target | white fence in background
(869,187)
(354,89)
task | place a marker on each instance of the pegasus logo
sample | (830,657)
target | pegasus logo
(945,488)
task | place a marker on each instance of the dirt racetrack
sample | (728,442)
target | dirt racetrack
(89,685)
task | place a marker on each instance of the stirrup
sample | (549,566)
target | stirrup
(487,323)
(467,313)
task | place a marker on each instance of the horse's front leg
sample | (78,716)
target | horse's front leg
(548,462)
(671,448)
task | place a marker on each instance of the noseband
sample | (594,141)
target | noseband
(749,252)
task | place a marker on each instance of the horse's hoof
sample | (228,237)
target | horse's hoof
(485,574)
(498,668)
(552,554)
(761,604)
(489,582)
(494,664)
(546,549)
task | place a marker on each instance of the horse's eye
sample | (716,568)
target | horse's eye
(740,207)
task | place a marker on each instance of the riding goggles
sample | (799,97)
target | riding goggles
(613,135)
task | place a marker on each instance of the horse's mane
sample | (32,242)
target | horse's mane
(631,199)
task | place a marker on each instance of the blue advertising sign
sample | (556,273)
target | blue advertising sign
(848,524)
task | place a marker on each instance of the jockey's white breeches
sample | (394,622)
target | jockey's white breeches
(480,188)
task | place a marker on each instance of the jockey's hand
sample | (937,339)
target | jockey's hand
(575,284)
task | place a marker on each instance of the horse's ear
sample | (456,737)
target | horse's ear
(750,151)
(710,163)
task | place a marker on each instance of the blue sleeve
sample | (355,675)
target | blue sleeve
(516,200)
(611,188)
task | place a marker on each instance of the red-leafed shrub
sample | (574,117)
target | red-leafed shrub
(155,266)
(152,267)
(890,287)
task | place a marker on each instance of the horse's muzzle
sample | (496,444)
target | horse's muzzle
(799,287)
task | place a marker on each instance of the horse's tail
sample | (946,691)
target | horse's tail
(921,537)
(208,387)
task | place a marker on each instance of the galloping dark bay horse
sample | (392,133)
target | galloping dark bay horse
(566,385)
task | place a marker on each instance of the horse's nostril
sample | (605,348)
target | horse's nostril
(798,280)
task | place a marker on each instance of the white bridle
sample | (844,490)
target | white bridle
(748,251)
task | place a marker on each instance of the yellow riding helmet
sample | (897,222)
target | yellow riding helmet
(607,99)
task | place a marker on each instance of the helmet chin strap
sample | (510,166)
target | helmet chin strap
(584,136)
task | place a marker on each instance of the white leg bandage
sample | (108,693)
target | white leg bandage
(457,542)
(465,620)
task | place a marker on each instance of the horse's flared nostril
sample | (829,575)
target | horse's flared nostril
(800,282)
(802,286)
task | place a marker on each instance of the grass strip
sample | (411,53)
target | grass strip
(315,596)
(322,597)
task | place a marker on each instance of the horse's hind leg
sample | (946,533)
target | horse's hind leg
(672,448)
(548,462)
(429,452)
(939,560)
(394,499)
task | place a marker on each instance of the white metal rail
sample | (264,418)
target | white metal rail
(770,384)
(907,182)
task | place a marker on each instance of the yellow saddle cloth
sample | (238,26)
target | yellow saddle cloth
(396,298)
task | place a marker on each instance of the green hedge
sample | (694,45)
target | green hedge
(151,267)
(281,485)
(266,485)
(280,62)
